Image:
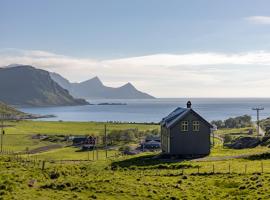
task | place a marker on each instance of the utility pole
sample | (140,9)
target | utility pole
(2,132)
(258,109)
(105,131)
(213,137)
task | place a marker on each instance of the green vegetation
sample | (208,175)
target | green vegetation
(265,124)
(22,142)
(225,151)
(72,128)
(8,110)
(235,131)
(160,180)
(141,176)
(129,135)
(20,136)
(229,135)
(237,122)
(73,153)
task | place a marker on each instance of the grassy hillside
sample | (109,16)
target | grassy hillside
(8,110)
(127,177)
(96,180)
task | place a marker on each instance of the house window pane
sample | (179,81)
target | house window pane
(184,125)
(196,125)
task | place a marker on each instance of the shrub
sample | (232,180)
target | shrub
(236,122)
(124,148)
(54,175)
(227,138)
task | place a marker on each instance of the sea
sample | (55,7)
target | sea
(153,110)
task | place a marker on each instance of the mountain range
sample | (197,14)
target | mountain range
(95,89)
(25,85)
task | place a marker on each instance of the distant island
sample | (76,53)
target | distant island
(112,104)
(95,89)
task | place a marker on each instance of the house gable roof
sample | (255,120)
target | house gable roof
(178,114)
(173,115)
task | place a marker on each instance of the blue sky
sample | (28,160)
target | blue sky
(92,35)
(122,28)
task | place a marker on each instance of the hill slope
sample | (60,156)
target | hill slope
(26,85)
(94,88)
(8,110)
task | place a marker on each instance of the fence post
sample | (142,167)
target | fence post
(245,168)
(97,148)
(213,168)
(262,166)
(198,170)
(43,164)
(229,168)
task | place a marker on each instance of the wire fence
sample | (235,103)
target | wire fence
(254,167)
(42,151)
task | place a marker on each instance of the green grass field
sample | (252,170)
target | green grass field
(73,153)
(96,180)
(71,128)
(18,138)
(126,177)
(235,131)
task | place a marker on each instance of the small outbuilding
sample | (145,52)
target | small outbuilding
(151,142)
(185,133)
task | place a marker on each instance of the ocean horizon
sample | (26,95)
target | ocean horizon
(153,110)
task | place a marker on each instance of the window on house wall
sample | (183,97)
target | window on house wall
(184,125)
(196,125)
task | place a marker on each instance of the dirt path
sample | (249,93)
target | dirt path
(218,137)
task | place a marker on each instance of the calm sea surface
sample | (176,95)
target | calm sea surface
(153,110)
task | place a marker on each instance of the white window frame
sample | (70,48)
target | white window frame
(184,126)
(196,126)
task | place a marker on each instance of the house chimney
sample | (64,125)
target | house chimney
(189,104)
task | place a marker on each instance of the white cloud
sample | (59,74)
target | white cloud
(165,75)
(259,19)
(197,59)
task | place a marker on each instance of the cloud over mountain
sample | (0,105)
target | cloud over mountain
(162,74)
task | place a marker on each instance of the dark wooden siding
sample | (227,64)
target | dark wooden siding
(164,139)
(190,142)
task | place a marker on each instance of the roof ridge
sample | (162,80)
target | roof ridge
(174,114)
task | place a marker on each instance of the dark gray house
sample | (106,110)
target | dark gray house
(184,132)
